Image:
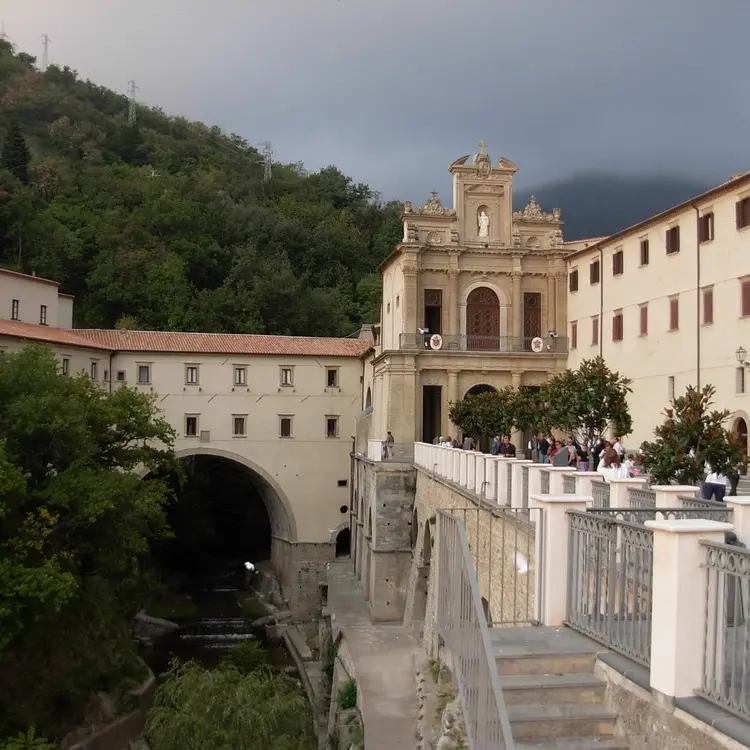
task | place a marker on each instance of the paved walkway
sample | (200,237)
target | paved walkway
(384,657)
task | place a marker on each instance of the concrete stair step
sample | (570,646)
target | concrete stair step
(575,743)
(552,689)
(561,721)
(557,663)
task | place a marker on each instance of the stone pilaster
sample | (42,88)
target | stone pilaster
(517,301)
(454,322)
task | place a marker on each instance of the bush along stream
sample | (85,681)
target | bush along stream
(223,682)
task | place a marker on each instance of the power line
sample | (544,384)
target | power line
(132,88)
(45,56)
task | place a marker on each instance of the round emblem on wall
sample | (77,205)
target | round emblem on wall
(537,345)
(436,341)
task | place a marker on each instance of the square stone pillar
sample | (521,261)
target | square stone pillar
(517,499)
(490,476)
(667,494)
(618,491)
(471,469)
(479,474)
(463,459)
(551,555)
(740,507)
(680,588)
(456,464)
(583,481)
(556,474)
(535,481)
(504,466)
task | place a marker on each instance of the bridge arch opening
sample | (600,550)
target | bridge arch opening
(225,510)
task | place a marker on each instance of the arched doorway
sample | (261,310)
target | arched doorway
(740,430)
(482,320)
(344,543)
(483,441)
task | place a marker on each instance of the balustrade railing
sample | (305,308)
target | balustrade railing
(462,625)
(641,515)
(610,572)
(641,498)
(525,486)
(726,647)
(544,482)
(569,484)
(697,502)
(600,494)
(428,342)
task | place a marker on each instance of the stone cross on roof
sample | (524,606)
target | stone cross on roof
(483,147)
(434,195)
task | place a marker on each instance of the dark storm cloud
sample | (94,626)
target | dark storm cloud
(392,92)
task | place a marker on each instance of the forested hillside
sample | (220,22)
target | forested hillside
(168,224)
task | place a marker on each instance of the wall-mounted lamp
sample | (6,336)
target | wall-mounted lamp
(741,355)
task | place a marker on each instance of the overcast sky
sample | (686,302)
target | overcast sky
(391,91)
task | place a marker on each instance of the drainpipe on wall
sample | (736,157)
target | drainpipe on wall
(601,303)
(697,297)
(352,465)
(111,375)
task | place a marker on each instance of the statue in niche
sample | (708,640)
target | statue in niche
(484,224)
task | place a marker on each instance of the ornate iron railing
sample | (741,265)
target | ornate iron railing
(544,482)
(611,582)
(726,646)
(427,342)
(641,498)
(462,626)
(697,502)
(641,515)
(600,494)
(569,484)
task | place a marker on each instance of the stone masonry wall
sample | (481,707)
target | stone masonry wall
(502,543)
(301,570)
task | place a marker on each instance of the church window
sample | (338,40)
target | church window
(433,310)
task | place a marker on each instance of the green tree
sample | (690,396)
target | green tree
(198,709)
(485,414)
(75,523)
(531,411)
(589,400)
(15,155)
(691,438)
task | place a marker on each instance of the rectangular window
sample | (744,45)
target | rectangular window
(673,240)
(239,425)
(706,227)
(332,377)
(285,426)
(65,366)
(144,374)
(573,335)
(332,427)
(594,272)
(644,320)
(674,314)
(433,310)
(670,388)
(595,331)
(743,213)
(14,305)
(618,263)
(617,326)
(43,315)
(745,288)
(94,370)
(708,306)
(286,375)
(191,425)
(120,376)
(644,252)
(573,280)
(191,374)
(240,375)
(740,380)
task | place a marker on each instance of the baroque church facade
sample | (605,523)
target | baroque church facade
(474,298)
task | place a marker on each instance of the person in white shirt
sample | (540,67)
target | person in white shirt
(715,485)
(619,448)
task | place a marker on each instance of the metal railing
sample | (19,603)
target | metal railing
(491,344)
(610,570)
(697,502)
(544,482)
(462,626)
(641,498)
(502,542)
(726,646)
(641,515)
(569,484)
(600,494)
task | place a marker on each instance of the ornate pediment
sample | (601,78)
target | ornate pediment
(433,207)
(533,212)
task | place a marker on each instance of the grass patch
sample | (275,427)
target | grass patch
(348,695)
(251,606)
(435,670)
(172,606)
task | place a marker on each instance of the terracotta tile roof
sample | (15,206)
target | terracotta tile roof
(19,275)
(46,334)
(225,343)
